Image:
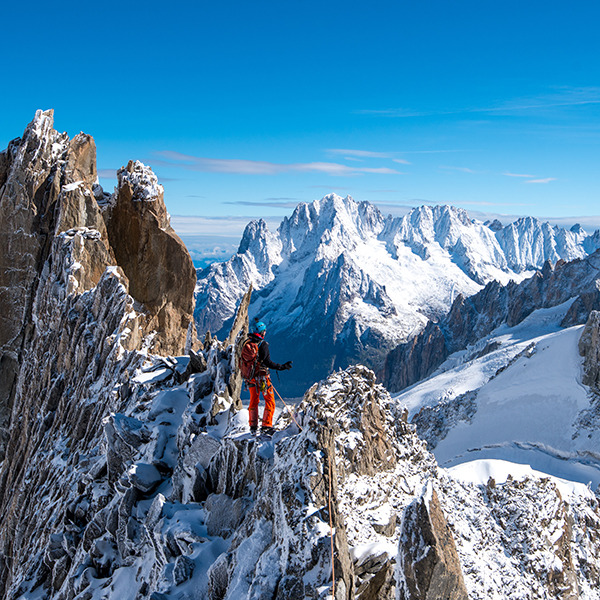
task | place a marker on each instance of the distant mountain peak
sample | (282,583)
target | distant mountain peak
(359,282)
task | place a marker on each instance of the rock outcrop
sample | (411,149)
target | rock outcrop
(471,318)
(429,567)
(71,332)
(83,494)
(159,268)
(52,211)
(589,348)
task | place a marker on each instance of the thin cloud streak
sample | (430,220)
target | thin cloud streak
(563,97)
(270,204)
(461,169)
(253,167)
(328,187)
(518,175)
(350,154)
(545,180)
(358,153)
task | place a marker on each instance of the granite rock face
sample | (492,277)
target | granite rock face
(304,489)
(70,329)
(52,210)
(429,566)
(589,348)
(159,268)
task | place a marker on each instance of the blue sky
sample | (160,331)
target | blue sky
(245,109)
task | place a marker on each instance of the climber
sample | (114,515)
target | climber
(255,362)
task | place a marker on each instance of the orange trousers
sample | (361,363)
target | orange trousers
(267,392)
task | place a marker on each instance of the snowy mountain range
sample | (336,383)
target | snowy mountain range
(339,283)
(474,317)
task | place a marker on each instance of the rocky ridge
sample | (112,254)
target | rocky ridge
(58,225)
(72,332)
(173,499)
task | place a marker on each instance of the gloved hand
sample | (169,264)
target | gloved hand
(287,366)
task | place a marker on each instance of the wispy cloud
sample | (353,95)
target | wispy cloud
(484,203)
(358,153)
(269,203)
(399,113)
(461,169)
(518,175)
(559,97)
(254,167)
(350,154)
(431,151)
(328,187)
(545,180)
(107,173)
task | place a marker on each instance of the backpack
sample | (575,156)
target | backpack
(249,366)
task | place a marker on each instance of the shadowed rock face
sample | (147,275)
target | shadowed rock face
(160,270)
(589,348)
(428,560)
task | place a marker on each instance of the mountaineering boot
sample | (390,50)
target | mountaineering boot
(267,431)
(253,429)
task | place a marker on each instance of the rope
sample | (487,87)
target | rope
(288,408)
(331,534)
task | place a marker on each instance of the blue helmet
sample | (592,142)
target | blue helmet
(258,327)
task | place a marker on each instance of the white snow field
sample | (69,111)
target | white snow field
(522,402)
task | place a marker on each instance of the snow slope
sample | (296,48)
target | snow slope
(347,284)
(523,401)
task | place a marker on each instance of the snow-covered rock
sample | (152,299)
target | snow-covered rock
(73,326)
(339,283)
(429,566)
